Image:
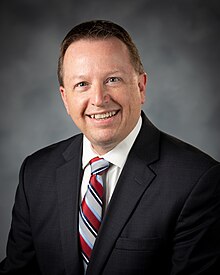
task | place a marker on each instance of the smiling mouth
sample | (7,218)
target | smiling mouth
(104,115)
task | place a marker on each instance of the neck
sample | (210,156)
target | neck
(102,150)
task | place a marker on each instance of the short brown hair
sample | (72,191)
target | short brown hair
(99,29)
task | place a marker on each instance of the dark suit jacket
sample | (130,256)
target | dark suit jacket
(163,218)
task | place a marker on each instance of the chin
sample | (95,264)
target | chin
(105,144)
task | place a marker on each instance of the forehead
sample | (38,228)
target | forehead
(88,47)
(96,58)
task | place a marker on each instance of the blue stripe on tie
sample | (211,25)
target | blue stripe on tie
(95,195)
(85,259)
(99,179)
(87,223)
(92,209)
(99,170)
(99,166)
(85,237)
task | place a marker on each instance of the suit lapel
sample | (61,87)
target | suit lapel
(133,182)
(68,180)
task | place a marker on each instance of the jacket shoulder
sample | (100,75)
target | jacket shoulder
(54,154)
(178,152)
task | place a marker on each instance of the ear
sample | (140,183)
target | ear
(142,86)
(64,98)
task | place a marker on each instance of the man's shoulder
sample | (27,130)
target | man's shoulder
(177,151)
(55,152)
(171,150)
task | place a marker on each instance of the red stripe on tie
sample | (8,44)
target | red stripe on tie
(96,185)
(90,216)
(85,248)
(94,160)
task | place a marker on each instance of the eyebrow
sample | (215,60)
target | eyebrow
(114,72)
(83,76)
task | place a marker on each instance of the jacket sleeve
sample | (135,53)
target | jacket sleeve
(197,236)
(20,252)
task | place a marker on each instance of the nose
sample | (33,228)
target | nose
(99,96)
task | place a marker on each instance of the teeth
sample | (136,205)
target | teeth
(103,116)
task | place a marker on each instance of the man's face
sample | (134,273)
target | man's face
(102,92)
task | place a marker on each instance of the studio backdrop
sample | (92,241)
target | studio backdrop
(179,45)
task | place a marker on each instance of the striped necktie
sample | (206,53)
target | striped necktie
(91,209)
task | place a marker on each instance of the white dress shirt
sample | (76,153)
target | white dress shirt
(116,157)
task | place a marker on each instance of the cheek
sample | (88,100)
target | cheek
(123,98)
(78,107)
(131,100)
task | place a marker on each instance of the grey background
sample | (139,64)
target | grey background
(179,44)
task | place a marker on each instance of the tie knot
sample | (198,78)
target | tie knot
(98,165)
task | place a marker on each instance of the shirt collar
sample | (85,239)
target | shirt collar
(117,155)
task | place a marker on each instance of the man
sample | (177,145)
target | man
(153,208)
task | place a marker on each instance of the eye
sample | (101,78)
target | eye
(113,79)
(81,84)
